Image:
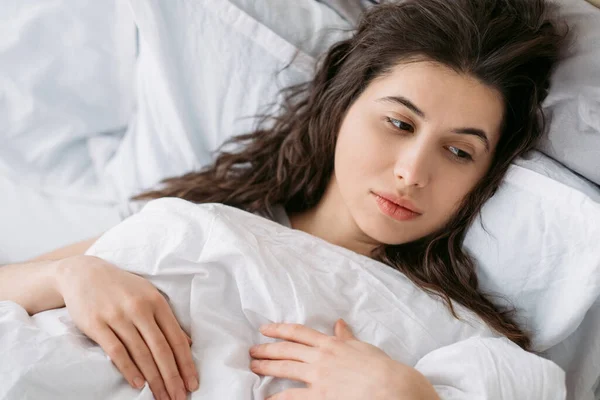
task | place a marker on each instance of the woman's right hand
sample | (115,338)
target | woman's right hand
(132,322)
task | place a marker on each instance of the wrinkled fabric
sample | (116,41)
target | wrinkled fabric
(350,10)
(572,107)
(226,272)
(205,69)
(66,91)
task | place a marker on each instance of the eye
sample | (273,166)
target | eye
(401,125)
(459,154)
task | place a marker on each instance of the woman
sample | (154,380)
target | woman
(406,130)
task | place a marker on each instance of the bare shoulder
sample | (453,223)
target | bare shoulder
(74,249)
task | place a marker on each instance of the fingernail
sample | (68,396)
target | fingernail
(192,383)
(138,382)
(264,328)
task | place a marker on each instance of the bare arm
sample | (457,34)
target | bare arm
(153,347)
(74,249)
(32,284)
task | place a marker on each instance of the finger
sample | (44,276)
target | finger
(178,340)
(285,351)
(163,356)
(294,332)
(139,351)
(189,339)
(343,331)
(293,370)
(118,354)
(291,394)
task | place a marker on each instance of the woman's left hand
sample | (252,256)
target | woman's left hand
(335,367)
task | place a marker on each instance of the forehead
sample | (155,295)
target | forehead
(447,98)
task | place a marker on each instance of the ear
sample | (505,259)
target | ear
(342,330)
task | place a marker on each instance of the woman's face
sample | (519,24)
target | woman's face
(422,136)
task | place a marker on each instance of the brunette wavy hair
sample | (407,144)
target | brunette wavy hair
(510,45)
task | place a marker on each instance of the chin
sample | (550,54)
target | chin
(384,233)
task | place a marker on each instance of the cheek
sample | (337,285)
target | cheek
(358,148)
(449,201)
(451,191)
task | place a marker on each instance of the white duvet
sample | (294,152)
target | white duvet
(225,272)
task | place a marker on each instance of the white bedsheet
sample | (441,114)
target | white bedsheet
(66,90)
(33,222)
(225,273)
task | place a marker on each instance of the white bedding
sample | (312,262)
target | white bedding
(66,69)
(33,222)
(226,272)
(43,207)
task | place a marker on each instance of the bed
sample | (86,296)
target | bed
(101,99)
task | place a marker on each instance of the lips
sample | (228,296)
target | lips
(404,203)
(394,210)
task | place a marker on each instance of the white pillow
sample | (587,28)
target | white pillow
(66,69)
(203,65)
(539,251)
(573,104)
(536,243)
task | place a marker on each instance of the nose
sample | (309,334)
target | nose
(414,165)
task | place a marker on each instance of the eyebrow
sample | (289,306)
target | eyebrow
(411,106)
(475,132)
(404,102)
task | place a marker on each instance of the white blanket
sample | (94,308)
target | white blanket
(225,272)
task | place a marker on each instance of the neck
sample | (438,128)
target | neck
(331,220)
